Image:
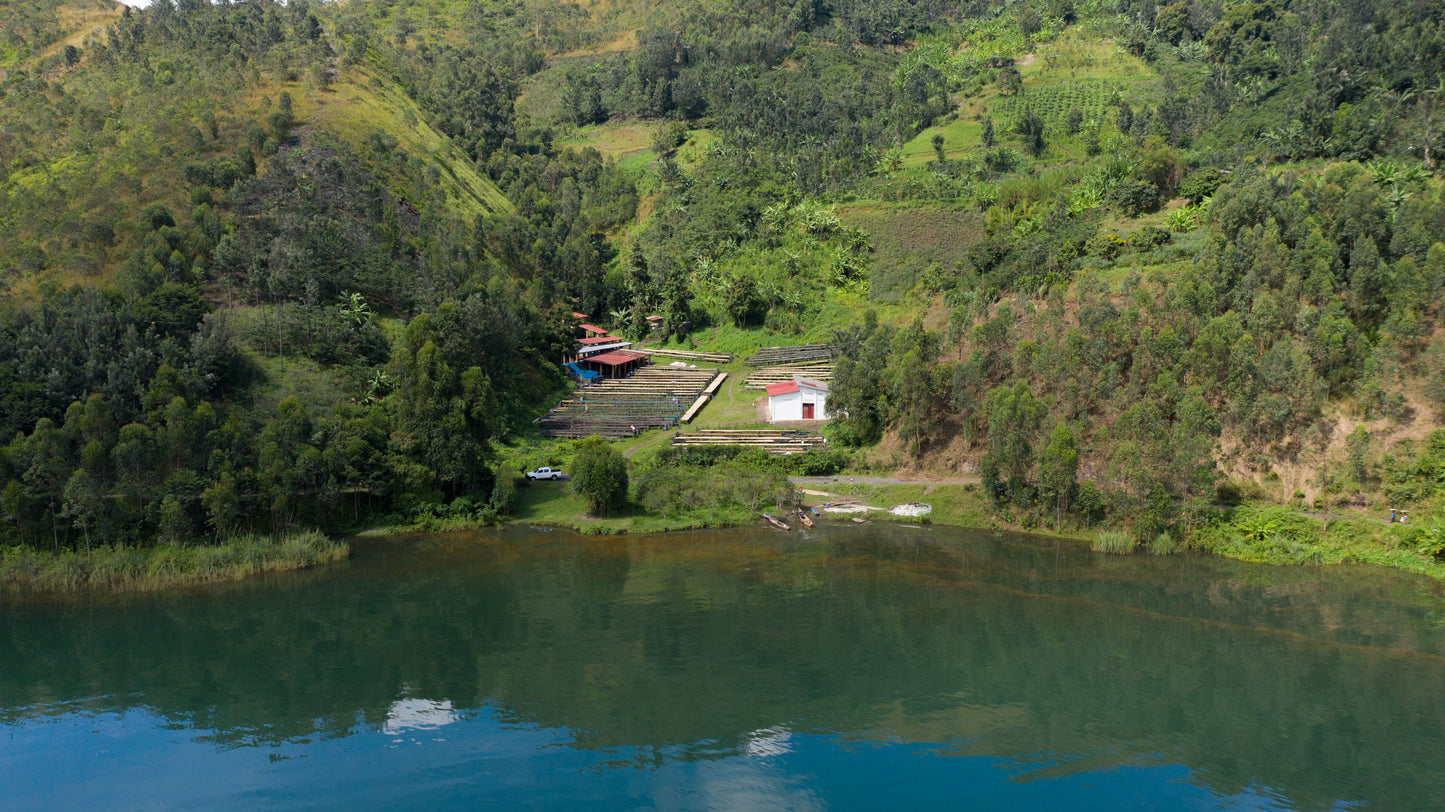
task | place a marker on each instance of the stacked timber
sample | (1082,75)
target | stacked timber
(691,356)
(767,376)
(652,397)
(773,441)
(785,356)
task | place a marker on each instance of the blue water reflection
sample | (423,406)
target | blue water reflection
(430,755)
(867,668)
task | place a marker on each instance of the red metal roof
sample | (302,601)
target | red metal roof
(593,329)
(782,388)
(615,358)
(577,315)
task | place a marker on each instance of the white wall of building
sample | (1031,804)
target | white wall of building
(789,406)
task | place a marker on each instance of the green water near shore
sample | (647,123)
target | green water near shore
(852,667)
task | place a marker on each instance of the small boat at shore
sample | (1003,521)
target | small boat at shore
(805,519)
(775,522)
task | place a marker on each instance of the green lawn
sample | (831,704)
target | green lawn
(555,504)
(960,139)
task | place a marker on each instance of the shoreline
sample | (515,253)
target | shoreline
(28,573)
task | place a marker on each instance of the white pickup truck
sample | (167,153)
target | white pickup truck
(544,473)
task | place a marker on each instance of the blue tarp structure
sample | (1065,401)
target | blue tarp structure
(584,374)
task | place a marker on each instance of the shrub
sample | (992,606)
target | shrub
(1164,544)
(1115,542)
(1148,238)
(1200,184)
(504,493)
(1228,493)
(599,474)
(1134,197)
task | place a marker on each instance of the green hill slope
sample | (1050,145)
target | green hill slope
(1120,260)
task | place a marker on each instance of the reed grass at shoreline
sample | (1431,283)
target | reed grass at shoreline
(25,570)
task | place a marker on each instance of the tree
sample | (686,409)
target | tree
(1031,128)
(82,502)
(1014,416)
(45,469)
(1010,82)
(1029,23)
(937,141)
(222,504)
(1058,466)
(599,474)
(1357,445)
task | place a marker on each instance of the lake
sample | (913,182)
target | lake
(855,667)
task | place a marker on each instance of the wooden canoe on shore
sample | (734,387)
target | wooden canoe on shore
(805,519)
(775,523)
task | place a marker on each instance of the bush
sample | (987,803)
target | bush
(1164,544)
(1200,184)
(599,474)
(1148,238)
(819,462)
(1114,542)
(504,493)
(1228,493)
(1134,197)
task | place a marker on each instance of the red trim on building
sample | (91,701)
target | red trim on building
(782,388)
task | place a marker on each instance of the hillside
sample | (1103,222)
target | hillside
(271,264)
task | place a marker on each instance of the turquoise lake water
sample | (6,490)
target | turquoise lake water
(857,667)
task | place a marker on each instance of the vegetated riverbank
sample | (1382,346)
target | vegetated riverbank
(1257,532)
(25,570)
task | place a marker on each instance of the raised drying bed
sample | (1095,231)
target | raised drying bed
(773,441)
(690,355)
(767,376)
(652,397)
(779,356)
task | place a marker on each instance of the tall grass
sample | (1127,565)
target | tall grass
(1115,542)
(1271,534)
(142,569)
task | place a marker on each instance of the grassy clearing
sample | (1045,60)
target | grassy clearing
(624,42)
(1077,58)
(541,96)
(907,240)
(315,386)
(1071,73)
(733,407)
(143,569)
(79,23)
(953,505)
(961,138)
(555,504)
(355,108)
(614,139)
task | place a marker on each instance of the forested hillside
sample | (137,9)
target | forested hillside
(268,265)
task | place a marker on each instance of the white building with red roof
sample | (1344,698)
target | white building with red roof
(798,399)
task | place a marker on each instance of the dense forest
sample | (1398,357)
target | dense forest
(270,266)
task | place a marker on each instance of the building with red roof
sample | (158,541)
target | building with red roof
(798,399)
